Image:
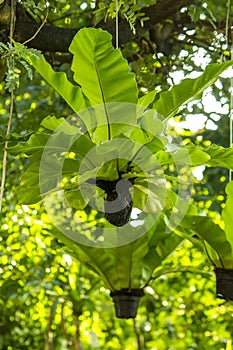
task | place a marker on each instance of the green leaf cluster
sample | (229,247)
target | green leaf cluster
(129,10)
(16,56)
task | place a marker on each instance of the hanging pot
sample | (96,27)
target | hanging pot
(118,204)
(224,284)
(126,302)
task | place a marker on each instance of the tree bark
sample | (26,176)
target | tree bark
(56,39)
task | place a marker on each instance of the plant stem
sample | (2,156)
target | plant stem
(4,163)
(13,18)
(49,332)
(77,343)
(69,342)
(139,336)
(40,27)
(231,104)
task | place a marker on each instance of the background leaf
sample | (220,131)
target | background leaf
(169,102)
(214,236)
(220,156)
(227,213)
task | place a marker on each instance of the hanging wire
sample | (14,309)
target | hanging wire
(117,25)
(231,81)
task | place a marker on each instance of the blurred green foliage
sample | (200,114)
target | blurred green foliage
(46,296)
(47,299)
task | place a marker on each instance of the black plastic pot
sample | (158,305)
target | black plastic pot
(126,302)
(224,284)
(118,204)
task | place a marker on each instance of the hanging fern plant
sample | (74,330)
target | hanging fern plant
(110,158)
(218,241)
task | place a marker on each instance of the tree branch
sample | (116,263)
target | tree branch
(56,39)
(164,9)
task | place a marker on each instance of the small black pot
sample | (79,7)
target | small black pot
(126,302)
(224,284)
